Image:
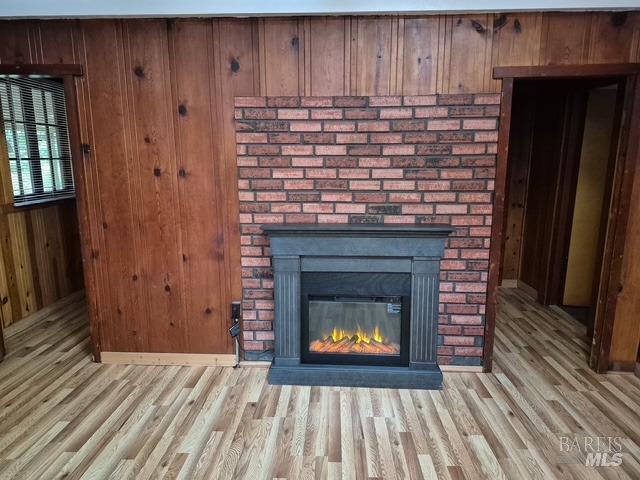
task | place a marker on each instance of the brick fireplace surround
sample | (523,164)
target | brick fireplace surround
(412,160)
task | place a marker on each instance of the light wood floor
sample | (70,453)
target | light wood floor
(63,416)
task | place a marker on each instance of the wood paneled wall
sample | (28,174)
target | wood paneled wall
(41,260)
(156,113)
(521,138)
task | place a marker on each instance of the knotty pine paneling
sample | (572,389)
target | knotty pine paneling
(40,260)
(156,113)
(467,54)
(282,56)
(420,38)
(200,193)
(328,55)
(565,38)
(372,52)
(158,276)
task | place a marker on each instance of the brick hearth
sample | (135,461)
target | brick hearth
(422,160)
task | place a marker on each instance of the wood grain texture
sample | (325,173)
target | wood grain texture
(467,54)
(41,260)
(66,417)
(180,229)
(420,55)
(521,137)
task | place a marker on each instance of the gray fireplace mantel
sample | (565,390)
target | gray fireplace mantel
(411,249)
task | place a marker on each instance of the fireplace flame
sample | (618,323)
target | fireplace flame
(358,342)
(361,336)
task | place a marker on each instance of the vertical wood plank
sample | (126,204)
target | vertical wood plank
(420,55)
(198,155)
(520,151)
(353,56)
(17,44)
(109,155)
(46,250)
(156,188)
(22,263)
(327,61)
(611,37)
(393,62)
(373,56)
(467,45)
(282,56)
(55,41)
(347,56)
(565,38)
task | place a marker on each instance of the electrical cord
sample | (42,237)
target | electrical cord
(234,331)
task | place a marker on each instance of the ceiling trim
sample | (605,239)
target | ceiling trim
(15,9)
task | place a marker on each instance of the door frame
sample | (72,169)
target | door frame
(627,159)
(69,73)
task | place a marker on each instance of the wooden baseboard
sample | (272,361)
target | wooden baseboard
(461,368)
(255,363)
(216,360)
(187,359)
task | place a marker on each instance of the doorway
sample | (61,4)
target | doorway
(559,182)
(41,272)
(564,181)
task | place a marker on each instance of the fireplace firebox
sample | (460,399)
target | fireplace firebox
(355,318)
(356,305)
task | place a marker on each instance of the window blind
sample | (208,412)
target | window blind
(35,127)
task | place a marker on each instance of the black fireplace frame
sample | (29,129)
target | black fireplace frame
(411,249)
(360,284)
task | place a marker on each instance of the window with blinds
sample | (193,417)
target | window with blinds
(35,126)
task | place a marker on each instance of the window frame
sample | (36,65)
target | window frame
(31,126)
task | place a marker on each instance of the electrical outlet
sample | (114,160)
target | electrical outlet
(235,310)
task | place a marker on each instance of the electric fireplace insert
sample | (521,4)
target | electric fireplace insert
(356,318)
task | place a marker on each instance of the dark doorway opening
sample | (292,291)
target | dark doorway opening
(625,151)
(559,182)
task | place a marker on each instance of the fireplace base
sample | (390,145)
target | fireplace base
(356,376)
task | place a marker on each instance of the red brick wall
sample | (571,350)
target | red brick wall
(425,160)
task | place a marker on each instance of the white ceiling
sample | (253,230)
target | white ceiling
(199,8)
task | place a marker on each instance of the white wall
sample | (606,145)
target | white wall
(194,8)
(592,182)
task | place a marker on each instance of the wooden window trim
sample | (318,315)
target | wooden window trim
(39,197)
(53,70)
